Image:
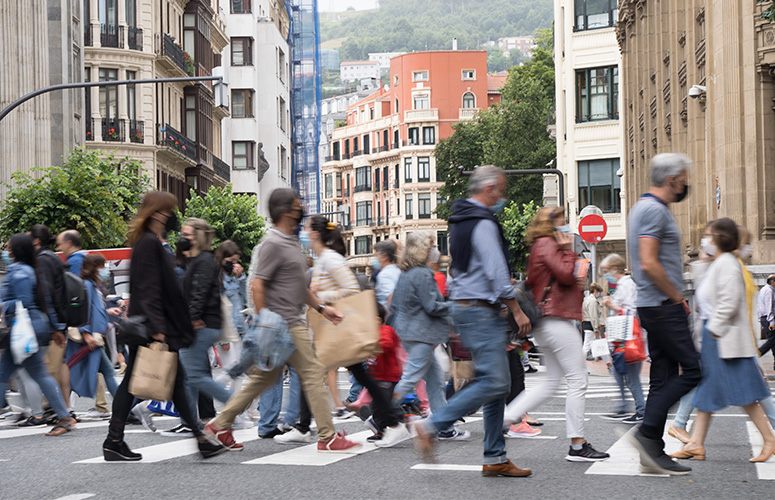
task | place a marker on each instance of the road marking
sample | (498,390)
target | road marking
(455,467)
(557,419)
(625,459)
(309,454)
(531,437)
(13,433)
(78,496)
(765,470)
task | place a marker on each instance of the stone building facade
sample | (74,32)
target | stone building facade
(728,128)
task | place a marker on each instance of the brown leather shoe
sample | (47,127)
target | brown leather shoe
(507,469)
(423,442)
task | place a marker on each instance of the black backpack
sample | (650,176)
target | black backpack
(77,303)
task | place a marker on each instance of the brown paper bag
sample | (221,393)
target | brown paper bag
(154,372)
(354,339)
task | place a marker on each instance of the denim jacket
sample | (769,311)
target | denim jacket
(19,285)
(98,314)
(417,310)
(234,289)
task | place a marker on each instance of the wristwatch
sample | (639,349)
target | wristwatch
(321,307)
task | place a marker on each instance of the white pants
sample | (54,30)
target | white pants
(589,336)
(561,346)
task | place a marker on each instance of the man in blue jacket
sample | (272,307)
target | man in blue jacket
(69,243)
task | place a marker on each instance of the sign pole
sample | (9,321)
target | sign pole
(593,262)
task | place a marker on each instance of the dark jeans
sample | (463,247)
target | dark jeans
(205,406)
(517,371)
(670,347)
(385,393)
(123,401)
(770,343)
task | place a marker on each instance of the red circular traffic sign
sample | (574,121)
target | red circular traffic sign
(592,228)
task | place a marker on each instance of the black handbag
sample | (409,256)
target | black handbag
(529,306)
(133,331)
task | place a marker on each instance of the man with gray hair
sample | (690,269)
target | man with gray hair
(480,283)
(654,245)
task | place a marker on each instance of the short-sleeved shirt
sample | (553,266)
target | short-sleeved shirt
(282,265)
(650,218)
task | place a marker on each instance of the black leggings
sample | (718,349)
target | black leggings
(517,371)
(123,401)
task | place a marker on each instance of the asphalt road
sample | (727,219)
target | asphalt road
(33,466)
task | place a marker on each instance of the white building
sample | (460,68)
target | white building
(522,43)
(383,58)
(258,132)
(589,131)
(353,71)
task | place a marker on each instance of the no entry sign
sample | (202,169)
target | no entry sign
(592,228)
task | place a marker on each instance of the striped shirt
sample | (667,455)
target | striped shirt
(333,278)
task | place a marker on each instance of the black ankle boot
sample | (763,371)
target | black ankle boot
(118,451)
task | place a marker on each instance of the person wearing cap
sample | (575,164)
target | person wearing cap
(766,312)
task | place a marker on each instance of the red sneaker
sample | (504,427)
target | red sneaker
(338,444)
(223,436)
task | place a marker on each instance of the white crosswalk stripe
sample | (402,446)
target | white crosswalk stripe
(765,470)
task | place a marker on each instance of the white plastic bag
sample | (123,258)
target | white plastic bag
(23,341)
(600,348)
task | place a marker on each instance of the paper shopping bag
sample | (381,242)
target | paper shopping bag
(600,348)
(354,339)
(154,372)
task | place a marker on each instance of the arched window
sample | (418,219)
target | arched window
(469,100)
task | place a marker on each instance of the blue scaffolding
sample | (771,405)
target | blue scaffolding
(306,84)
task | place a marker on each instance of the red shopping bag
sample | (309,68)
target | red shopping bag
(635,348)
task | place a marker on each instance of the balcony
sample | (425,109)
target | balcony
(221,169)
(135,38)
(396,145)
(361,189)
(113,130)
(395,184)
(468,113)
(168,136)
(87,35)
(172,57)
(374,150)
(137,131)
(347,193)
(364,222)
(384,148)
(421,115)
(89,129)
(357,153)
(111,35)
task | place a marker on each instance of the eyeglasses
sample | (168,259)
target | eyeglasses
(555,211)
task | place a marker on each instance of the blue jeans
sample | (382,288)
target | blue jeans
(684,411)
(196,362)
(269,405)
(37,370)
(631,380)
(484,333)
(108,373)
(293,405)
(355,390)
(421,364)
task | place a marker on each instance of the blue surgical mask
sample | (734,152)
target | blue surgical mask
(498,207)
(563,229)
(104,274)
(609,278)
(304,239)
(7,259)
(374,262)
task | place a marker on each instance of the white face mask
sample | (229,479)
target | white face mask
(708,247)
(745,251)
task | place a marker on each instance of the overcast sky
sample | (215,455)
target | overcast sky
(341,5)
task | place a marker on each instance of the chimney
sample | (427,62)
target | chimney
(454,43)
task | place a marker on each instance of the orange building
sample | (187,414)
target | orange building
(380,174)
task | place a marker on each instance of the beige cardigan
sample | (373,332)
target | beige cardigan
(730,320)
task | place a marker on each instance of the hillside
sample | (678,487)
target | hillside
(409,25)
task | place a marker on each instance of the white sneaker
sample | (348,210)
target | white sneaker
(97,415)
(393,435)
(294,436)
(144,415)
(242,422)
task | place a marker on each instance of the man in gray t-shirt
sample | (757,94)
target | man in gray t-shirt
(654,246)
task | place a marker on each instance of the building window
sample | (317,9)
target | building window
(397,175)
(363,213)
(397,106)
(363,245)
(599,185)
(469,100)
(131,94)
(424,208)
(593,14)
(385,180)
(366,144)
(242,103)
(407,170)
(422,101)
(242,51)
(377,180)
(329,181)
(409,201)
(442,242)
(242,155)
(395,80)
(414,136)
(108,95)
(371,113)
(240,6)
(423,169)
(469,74)
(362,179)
(281,114)
(597,94)
(420,76)
(429,135)
(338,185)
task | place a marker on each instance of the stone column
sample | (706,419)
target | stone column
(95,104)
(94,21)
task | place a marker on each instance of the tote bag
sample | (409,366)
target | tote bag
(154,372)
(354,339)
(23,341)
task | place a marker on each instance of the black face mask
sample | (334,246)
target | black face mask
(172,224)
(184,244)
(300,217)
(680,196)
(228,266)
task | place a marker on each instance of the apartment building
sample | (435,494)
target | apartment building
(380,174)
(522,43)
(589,130)
(174,129)
(353,71)
(257,135)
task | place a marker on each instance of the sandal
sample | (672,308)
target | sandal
(64,426)
(533,422)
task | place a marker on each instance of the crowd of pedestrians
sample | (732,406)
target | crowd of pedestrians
(205,306)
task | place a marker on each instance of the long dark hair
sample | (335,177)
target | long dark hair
(41,233)
(225,250)
(90,269)
(23,251)
(330,233)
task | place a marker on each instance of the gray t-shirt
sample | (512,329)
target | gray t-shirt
(282,266)
(650,218)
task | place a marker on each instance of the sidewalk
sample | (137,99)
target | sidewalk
(599,368)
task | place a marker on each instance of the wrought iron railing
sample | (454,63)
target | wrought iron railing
(135,38)
(137,131)
(113,130)
(221,169)
(168,136)
(111,35)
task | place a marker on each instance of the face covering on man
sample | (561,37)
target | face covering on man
(498,207)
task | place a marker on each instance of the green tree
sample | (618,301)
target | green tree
(92,192)
(769,12)
(511,135)
(232,216)
(516,219)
